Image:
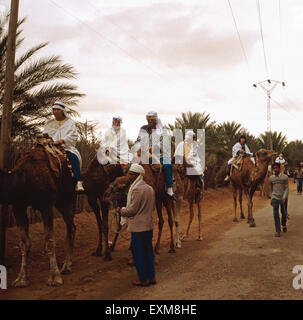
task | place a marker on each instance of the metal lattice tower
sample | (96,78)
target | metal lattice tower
(268,89)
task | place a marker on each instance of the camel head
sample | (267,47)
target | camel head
(264,155)
(116,193)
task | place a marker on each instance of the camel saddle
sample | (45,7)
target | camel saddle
(55,153)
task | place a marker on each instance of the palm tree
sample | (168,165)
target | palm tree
(293,152)
(37,85)
(278,140)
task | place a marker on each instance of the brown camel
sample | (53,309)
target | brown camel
(42,179)
(154,176)
(188,188)
(247,178)
(96,180)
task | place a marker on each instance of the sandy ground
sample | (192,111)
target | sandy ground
(232,262)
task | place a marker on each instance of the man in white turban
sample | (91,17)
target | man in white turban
(188,149)
(153,139)
(139,212)
(114,147)
(62,129)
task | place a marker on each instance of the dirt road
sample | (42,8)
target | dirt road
(232,262)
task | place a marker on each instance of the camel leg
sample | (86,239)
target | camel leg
(200,238)
(54,278)
(250,205)
(68,216)
(235,202)
(160,223)
(25,244)
(104,209)
(240,202)
(169,207)
(92,200)
(177,210)
(191,216)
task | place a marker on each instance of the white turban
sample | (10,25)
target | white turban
(189,136)
(153,114)
(137,168)
(117,118)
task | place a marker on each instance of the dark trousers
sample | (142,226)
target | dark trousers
(276,204)
(168,171)
(299,185)
(142,249)
(74,161)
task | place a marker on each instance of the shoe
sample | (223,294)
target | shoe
(171,197)
(139,283)
(284,229)
(79,186)
(277,234)
(226,178)
(152,281)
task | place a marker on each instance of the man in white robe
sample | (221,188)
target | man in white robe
(62,129)
(188,149)
(114,147)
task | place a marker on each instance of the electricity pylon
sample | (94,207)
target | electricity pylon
(268,90)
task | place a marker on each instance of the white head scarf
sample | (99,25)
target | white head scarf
(137,168)
(140,170)
(189,136)
(60,105)
(159,125)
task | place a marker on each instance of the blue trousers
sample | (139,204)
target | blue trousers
(276,204)
(142,249)
(168,171)
(299,185)
(74,161)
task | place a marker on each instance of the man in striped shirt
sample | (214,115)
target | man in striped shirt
(279,192)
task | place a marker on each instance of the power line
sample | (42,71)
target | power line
(262,38)
(281,42)
(110,41)
(238,33)
(120,48)
(284,108)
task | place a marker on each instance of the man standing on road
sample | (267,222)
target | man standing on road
(139,212)
(279,192)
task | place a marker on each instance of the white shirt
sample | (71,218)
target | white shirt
(280,160)
(238,147)
(115,140)
(191,157)
(65,130)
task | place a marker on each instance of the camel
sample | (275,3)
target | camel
(42,178)
(247,178)
(190,189)
(96,180)
(116,194)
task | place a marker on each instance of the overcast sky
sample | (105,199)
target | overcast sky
(133,56)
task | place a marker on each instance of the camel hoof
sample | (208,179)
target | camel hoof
(178,245)
(108,258)
(172,251)
(200,238)
(131,263)
(21,283)
(66,270)
(97,253)
(57,281)
(242,217)
(235,220)
(252,225)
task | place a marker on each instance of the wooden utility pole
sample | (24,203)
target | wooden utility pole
(6,124)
